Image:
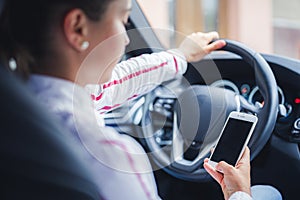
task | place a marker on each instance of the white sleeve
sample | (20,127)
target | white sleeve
(240,196)
(136,77)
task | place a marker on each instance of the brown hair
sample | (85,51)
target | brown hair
(25,27)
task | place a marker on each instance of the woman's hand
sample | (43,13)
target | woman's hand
(197,45)
(232,179)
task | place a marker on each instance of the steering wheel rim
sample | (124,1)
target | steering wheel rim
(267,115)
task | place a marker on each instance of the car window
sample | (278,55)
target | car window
(270,26)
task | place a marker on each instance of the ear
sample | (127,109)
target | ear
(76,29)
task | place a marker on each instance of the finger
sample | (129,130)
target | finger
(206,50)
(225,168)
(246,156)
(212,35)
(214,46)
(206,160)
(216,175)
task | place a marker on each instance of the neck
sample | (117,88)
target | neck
(63,65)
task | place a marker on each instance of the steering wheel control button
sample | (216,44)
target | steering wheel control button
(295,133)
(297,124)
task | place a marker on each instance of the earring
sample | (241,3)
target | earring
(12,64)
(85,45)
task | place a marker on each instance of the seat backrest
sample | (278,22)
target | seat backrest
(38,161)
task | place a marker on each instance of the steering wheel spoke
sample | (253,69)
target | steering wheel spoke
(179,149)
(245,106)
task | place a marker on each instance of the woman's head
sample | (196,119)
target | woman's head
(55,36)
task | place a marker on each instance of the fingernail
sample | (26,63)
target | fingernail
(219,170)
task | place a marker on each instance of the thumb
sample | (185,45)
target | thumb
(224,167)
(246,156)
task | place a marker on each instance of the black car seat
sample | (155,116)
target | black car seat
(38,161)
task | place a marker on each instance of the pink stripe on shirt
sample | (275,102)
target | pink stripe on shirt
(135,74)
(131,162)
(97,98)
(176,64)
(130,76)
(109,107)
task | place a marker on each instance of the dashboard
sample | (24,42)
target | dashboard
(236,75)
(231,72)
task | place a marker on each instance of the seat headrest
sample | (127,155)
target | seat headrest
(1,5)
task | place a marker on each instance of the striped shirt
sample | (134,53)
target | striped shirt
(120,165)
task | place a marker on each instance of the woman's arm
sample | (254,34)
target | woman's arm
(136,77)
(139,75)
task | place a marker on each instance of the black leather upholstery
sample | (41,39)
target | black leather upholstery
(37,159)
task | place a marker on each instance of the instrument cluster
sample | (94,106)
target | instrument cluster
(253,96)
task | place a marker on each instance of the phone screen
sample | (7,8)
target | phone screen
(232,141)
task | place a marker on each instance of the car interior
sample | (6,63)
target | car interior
(38,163)
(266,85)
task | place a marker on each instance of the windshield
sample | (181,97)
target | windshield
(269,26)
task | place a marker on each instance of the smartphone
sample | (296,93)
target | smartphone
(233,139)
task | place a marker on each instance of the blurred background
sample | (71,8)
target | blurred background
(267,26)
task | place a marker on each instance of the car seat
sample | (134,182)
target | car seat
(37,162)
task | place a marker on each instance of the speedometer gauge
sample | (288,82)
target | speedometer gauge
(255,96)
(227,85)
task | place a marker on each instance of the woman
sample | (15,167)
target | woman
(63,45)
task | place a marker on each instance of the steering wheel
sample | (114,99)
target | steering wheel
(180,128)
